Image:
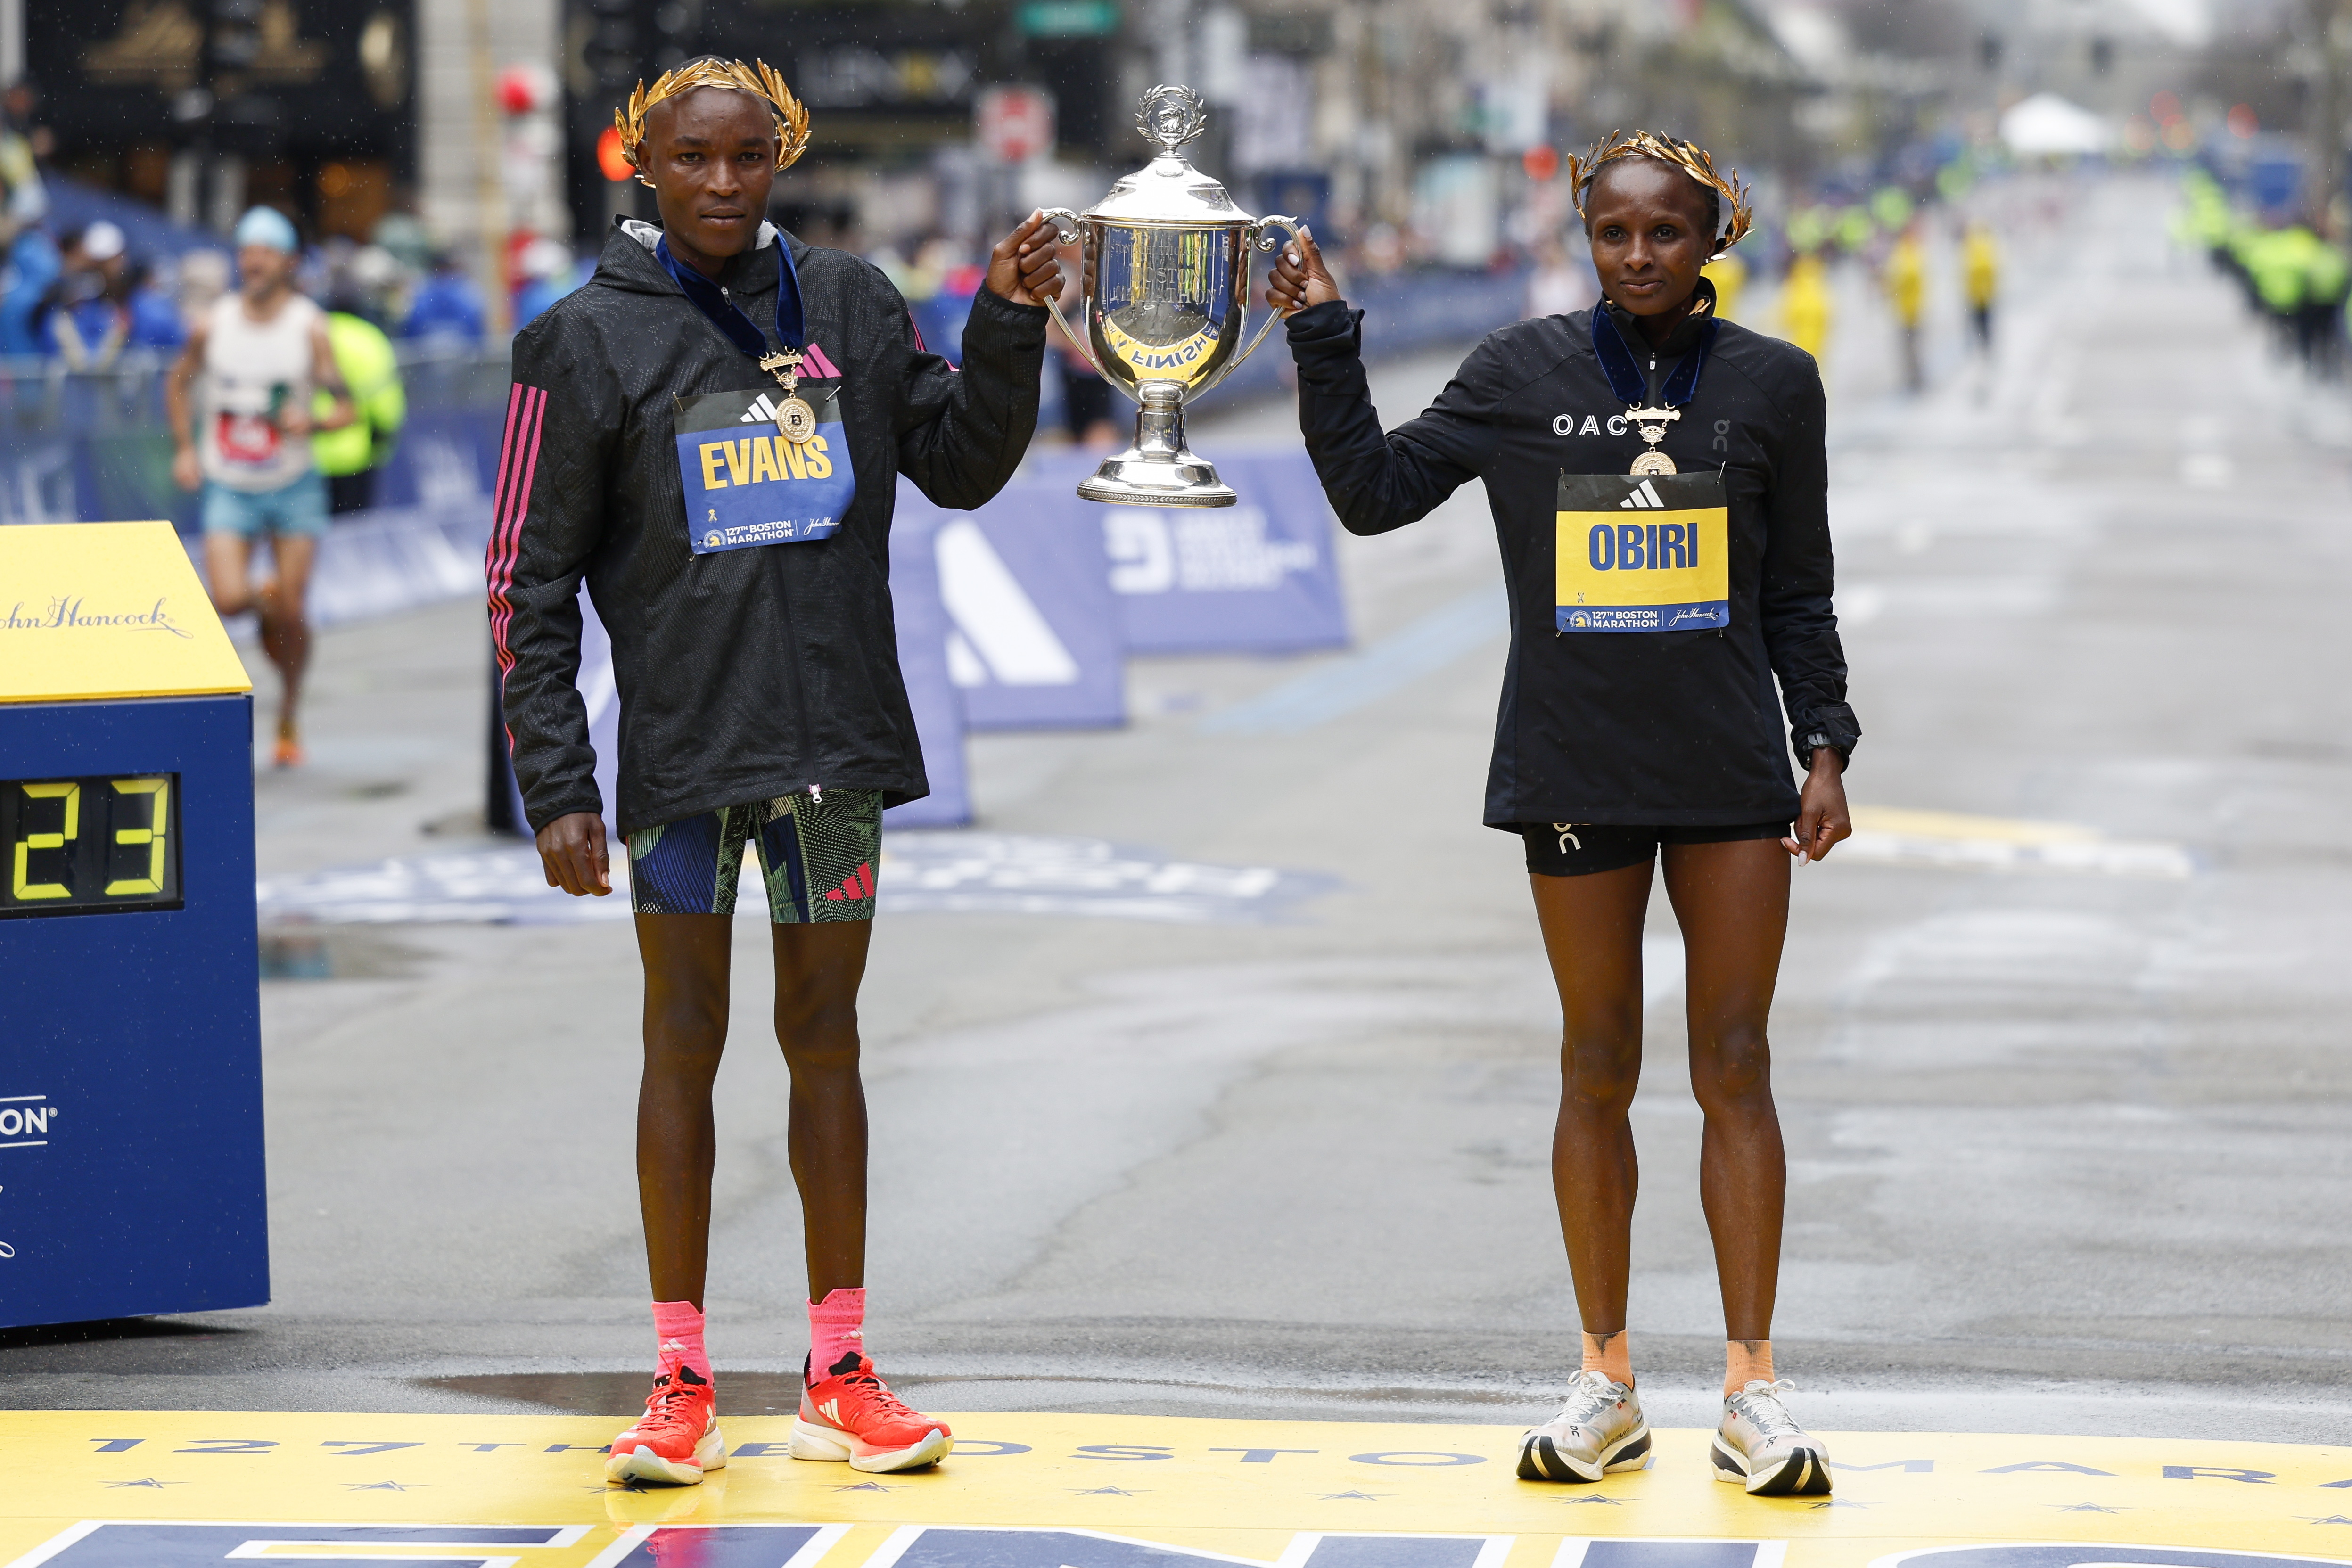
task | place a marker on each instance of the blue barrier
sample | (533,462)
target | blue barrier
(1255,577)
(922,623)
(1033,632)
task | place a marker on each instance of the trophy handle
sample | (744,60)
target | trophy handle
(1067,232)
(1260,237)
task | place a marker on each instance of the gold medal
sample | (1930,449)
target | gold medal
(1652,423)
(795,421)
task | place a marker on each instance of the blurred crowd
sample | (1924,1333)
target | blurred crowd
(86,299)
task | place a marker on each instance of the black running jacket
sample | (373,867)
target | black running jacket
(752,673)
(1674,728)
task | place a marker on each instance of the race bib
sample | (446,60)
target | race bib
(1644,552)
(747,485)
(246,437)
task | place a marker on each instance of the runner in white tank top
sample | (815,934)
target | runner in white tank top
(254,372)
(261,352)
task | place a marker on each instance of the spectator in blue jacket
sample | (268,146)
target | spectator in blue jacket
(447,306)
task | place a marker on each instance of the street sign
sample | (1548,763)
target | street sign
(1015,123)
(1068,18)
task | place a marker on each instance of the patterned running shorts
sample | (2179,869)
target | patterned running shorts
(817,854)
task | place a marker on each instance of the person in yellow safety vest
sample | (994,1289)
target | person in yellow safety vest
(1905,280)
(1980,272)
(1805,312)
(1728,273)
(2319,324)
(351,457)
(2276,263)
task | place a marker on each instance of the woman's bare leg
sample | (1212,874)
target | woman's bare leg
(1592,935)
(1732,901)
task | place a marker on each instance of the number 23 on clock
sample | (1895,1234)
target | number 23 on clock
(79,846)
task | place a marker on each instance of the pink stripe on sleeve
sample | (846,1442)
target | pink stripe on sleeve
(818,363)
(518,462)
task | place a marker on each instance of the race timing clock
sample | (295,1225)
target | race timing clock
(134,1179)
(79,846)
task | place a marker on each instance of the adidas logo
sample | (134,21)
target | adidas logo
(859,884)
(831,1411)
(761,411)
(1643,495)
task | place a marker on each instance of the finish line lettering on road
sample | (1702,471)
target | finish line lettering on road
(171,1490)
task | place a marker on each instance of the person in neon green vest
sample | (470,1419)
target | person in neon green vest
(351,457)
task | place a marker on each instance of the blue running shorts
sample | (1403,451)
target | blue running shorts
(817,854)
(299,507)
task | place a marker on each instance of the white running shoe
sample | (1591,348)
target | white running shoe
(1760,1445)
(1599,1429)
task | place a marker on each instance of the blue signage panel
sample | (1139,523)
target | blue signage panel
(1255,577)
(1032,634)
(922,624)
(131,1128)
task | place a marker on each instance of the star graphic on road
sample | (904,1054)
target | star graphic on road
(632,1484)
(868,1486)
(380,1486)
(1605,1502)
(1352,1496)
(1101,1491)
(148,1481)
(2086,1507)
(2331,1519)
(1843,1503)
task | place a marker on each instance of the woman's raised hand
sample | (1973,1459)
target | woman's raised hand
(1299,277)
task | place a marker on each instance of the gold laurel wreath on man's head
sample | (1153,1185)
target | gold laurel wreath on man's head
(1688,156)
(758,78)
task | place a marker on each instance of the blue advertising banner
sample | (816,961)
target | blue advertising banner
(922,622)
(1033,636)
(1255,577)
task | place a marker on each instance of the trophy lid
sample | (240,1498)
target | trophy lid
(1169,190)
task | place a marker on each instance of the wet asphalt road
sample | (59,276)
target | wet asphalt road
(2068,1146)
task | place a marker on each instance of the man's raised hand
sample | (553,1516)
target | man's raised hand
(1022,267)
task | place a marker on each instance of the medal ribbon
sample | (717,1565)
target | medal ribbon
(1625,371)
(728,318)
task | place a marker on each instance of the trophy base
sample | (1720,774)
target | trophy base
(1158,470)
(1132,479)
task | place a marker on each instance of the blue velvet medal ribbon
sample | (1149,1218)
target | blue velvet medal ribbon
(1625,371)
(791,325)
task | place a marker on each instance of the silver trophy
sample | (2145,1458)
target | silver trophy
(1167,296)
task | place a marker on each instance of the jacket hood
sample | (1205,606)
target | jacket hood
(627,261)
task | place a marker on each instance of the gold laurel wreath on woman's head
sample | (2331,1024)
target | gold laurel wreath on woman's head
(1688,156)
(759,78)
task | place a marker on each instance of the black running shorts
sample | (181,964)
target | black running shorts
(1570,848)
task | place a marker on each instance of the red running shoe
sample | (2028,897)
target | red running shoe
(676,1440)
(853,1416)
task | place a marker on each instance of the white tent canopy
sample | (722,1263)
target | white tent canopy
(2048,124)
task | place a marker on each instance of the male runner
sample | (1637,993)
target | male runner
(711,433)
(260,351)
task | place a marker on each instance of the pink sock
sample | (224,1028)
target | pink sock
(836,1333)
(677,1329)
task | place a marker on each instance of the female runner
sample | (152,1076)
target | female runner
(1651,611)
